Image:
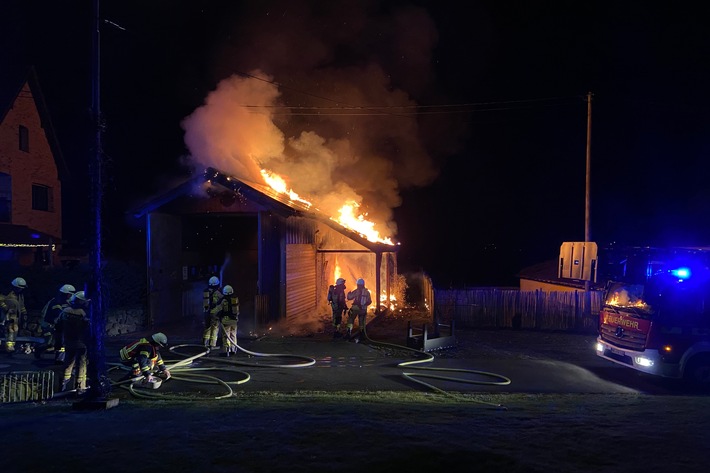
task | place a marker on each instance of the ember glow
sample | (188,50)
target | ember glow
(392,303)
(348,213)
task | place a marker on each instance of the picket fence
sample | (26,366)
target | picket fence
(511,308)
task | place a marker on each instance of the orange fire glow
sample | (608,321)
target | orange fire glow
(278,184)
(392,300)
(348,213)
(622,300)
(349,218)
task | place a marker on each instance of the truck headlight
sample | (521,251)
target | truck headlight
(600,347)
(643,361)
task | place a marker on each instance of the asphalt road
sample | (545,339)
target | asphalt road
(495,361)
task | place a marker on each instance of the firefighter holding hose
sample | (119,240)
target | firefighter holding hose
(212,310)
(230,316)
(361,301)
(336,298)
(143,355)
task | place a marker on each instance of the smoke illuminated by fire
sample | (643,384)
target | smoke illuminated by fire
(334,124)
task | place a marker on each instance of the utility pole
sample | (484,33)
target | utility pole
(587,204)
(587,217)
(100,384)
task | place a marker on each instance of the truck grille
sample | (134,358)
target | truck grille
(628,339)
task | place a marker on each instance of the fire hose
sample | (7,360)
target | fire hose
(183,370)
(497,379)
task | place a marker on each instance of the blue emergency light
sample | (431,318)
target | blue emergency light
(681,273)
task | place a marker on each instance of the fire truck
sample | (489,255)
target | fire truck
(655,315)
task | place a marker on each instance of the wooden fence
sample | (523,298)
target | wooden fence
(511,308)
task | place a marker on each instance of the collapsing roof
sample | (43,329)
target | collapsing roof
(262,195)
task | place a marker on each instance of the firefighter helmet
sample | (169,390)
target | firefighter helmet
(79,296)
(227,290)
(160,338)
(67,289)
(360,282)
(19,283)
(340,281)
(214,281)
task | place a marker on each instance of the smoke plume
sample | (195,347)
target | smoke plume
(323,94)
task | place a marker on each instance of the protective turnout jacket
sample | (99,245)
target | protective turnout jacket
(212,301)
(143,353)
(230,307)
(361,298)
(336,296)
(73,327)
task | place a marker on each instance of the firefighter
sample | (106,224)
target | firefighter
(13,312)
(212,310)
(229,318)
(50,315)
(73,328)
(143,356)
(361,300)
(336,298)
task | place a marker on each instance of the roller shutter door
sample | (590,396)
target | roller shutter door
(300,280)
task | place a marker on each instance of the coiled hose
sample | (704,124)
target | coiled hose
(497,379)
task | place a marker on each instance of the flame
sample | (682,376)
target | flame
(278,184)
(392,300)
(349,216)
(338,272)
(359,224)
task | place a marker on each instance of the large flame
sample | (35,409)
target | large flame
(278,184)
(349,217)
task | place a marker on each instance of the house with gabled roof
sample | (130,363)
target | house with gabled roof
(31,172)
(279,255)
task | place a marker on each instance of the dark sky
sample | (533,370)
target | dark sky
(502,115)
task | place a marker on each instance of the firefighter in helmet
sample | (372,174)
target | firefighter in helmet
(50,316)
(143,356)
(361,300)
(73,328)
(229,318)
(13,312)
(212,310)
(336,298)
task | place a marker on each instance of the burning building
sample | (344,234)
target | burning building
(278,251)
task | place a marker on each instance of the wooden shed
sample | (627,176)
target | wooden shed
(279,255)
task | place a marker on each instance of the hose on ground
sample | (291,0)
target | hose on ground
(182,370)
(497,379)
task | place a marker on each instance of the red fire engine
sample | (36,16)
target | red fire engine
(658,320)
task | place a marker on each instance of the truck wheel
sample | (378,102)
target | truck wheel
(697,373)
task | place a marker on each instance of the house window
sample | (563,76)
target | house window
(5,198)
(41,197)
(24,139)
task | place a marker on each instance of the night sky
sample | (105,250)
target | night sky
(496,178)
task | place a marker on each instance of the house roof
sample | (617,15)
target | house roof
(547,272)
(21,236)
(12,80)
(262,195)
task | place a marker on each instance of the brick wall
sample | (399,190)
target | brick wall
(27,168)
